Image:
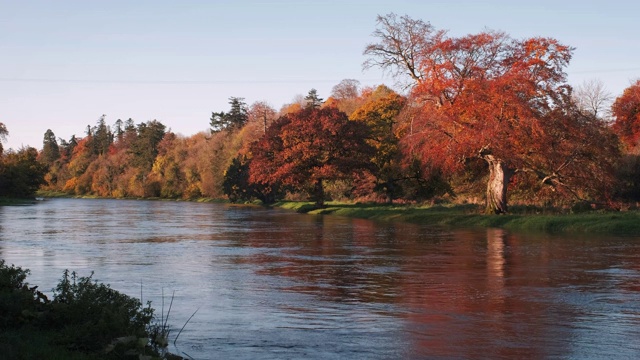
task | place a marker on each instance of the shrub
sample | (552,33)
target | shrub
(91,315)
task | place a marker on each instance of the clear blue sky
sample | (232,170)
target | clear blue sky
(65,63)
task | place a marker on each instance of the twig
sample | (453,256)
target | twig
(185,324)
(169,311)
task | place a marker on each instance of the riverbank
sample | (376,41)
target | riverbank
(4,201)
(468,215)
(615,223)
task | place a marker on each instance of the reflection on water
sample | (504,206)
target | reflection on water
(275,284)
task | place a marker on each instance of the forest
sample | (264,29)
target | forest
(483,118)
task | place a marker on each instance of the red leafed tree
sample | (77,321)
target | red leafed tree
(310,146)
(626,110)
(490,96)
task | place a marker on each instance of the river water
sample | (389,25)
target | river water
(273,284)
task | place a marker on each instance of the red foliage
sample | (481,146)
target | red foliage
(626,110)
(309,146)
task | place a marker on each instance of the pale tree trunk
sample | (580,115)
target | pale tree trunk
(499,176)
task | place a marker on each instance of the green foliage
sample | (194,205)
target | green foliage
(19,303)
(50,150)
(102,137)
(235,119)
(313,100)
(145,147)
(91,315)
(20,173)
(84,317)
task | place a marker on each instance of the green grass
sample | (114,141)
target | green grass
(619,223)
(4,201)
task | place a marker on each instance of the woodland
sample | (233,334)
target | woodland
(482,118)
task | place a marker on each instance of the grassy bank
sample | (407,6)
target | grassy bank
(4,201)
(617,223)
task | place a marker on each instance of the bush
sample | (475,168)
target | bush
(84,318)
(19,303)
(91,315)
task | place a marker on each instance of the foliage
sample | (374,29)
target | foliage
(238,188)
(235,119)
(50,149)
(490,96)
(84,317)
(628,178)
(312,99)
(379,113)
(20,173)
(19,303)
(145,147)
(90,315)
(626,110)
(305,148)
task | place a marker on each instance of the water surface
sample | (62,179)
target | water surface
(272,284)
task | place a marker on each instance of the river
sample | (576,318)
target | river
(273,284)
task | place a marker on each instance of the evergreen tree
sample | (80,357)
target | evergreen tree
(145,146)
(312,99)
(235,119)
(118,130)
(50,149)
(102,137)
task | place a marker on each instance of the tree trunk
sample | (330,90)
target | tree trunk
(499,176)
(318,190)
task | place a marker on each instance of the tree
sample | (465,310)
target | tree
(235,119)
(102,137)
(306,148)
(21,174)
(346,89)
(379,113)
(592,98)
(486,95)
(626,111)
(145,147)
(312,99)
(346,95)
(118,130)
(404,42)
(50,149)
(262,113)
(3,136)
(237,187)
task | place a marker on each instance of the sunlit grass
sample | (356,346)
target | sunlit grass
(469,215)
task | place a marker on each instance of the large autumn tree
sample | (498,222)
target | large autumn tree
(492,97)
(308,147)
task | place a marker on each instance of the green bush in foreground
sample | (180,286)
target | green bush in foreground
(85,319)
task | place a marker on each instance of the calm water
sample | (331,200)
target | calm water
(271,284)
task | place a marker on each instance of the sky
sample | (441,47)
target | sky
(64,64)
